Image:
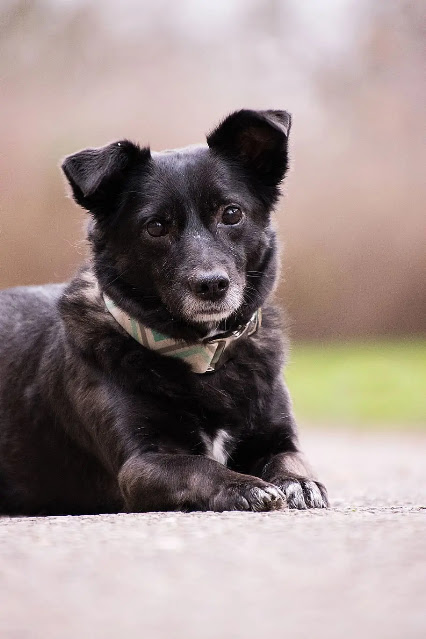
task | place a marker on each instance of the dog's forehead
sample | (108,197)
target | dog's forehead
(194,166)
(180,159)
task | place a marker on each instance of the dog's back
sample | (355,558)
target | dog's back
(42,469)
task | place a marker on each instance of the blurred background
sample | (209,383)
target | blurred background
(82,73)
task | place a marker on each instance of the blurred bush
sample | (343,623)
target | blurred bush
(380,383)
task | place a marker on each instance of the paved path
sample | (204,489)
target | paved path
(356,571)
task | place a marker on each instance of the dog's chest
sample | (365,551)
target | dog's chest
(217,446)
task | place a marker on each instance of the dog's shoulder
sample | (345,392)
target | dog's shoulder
(83,311)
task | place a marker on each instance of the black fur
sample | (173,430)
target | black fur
(91,421)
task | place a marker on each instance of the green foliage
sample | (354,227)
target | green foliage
(367,383)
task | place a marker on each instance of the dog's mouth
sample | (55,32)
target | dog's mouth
(214,313)
(203,312)
(210,316)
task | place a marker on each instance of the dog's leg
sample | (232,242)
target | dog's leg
(292,474)
(157,481)
(280,461)
(162,481)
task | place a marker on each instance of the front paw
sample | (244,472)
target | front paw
(256,495)
(302,493)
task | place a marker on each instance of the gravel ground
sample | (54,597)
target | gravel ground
(357,570)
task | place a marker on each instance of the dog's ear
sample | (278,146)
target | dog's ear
(92,173)
(256,139)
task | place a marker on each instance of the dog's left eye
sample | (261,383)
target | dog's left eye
(156,228)
(231,215)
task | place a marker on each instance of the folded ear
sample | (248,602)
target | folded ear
(256,139)
(93,172)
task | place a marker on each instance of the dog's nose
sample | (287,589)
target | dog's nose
(210,286)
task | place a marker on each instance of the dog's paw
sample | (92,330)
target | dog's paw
(303,493)
(256,496)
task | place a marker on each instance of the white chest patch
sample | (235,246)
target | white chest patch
(216,446)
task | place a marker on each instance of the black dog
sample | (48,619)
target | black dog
(150,381)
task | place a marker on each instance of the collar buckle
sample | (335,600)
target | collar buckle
(215,363)
(223,339)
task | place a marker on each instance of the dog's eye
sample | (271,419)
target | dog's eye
(157,228)
(232,215)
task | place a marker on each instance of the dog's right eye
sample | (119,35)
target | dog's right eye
(232,215)
(156,228)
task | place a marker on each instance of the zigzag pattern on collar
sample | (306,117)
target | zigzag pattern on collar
(202,357)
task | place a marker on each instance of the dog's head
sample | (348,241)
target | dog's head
(182,239)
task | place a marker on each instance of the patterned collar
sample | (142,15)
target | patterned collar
(205,356)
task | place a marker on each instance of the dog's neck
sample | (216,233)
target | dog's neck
(203,356)
(147,307)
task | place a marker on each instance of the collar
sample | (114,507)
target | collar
(205,356)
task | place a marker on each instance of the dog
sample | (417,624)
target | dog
(153,380)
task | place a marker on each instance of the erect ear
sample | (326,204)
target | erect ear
(256,139)
(93,173)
